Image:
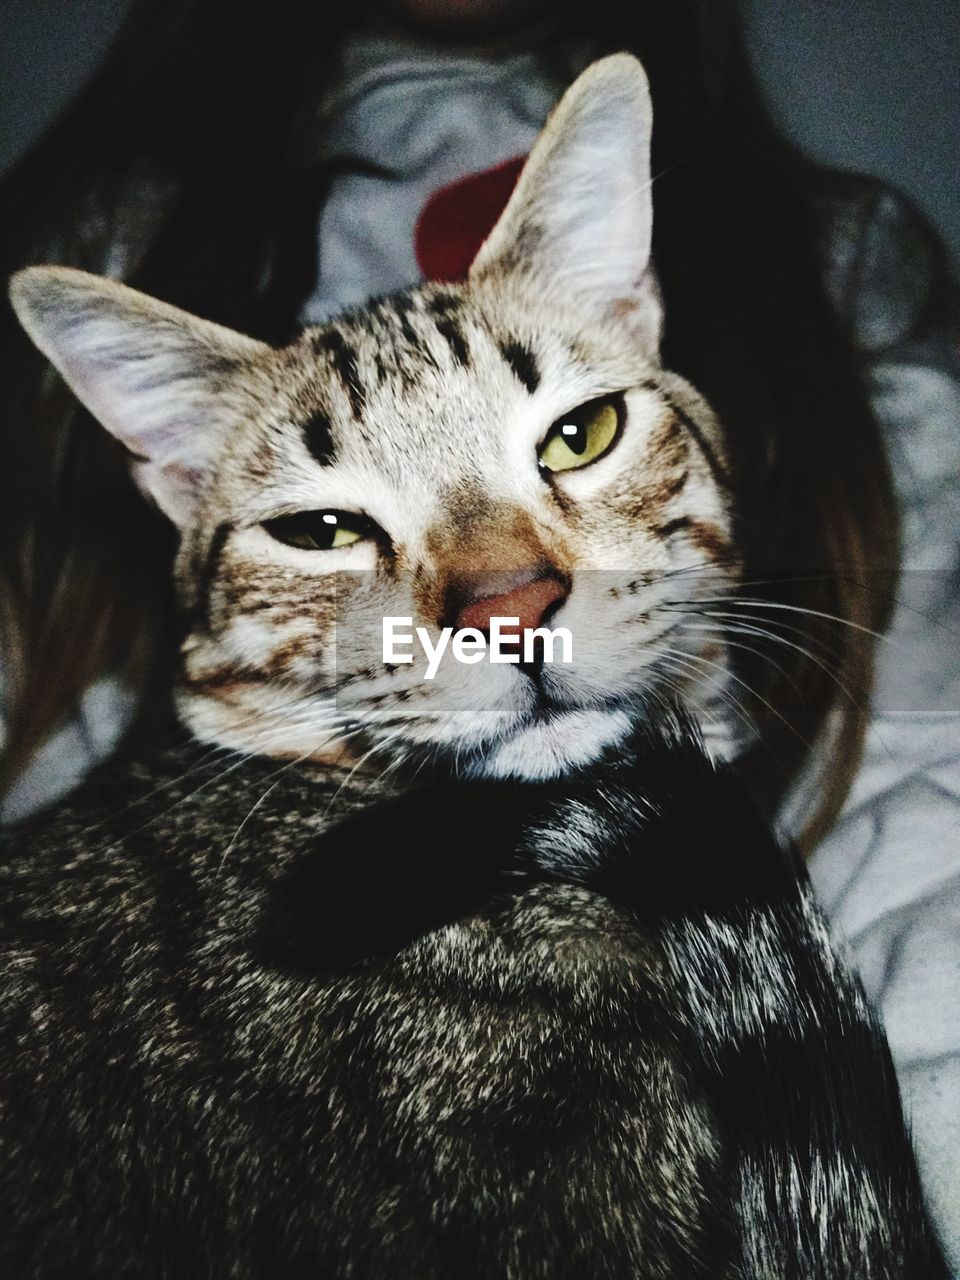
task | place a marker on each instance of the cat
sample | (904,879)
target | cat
(359,974)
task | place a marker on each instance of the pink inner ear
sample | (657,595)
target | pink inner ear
(456,220)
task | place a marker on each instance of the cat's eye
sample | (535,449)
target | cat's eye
(582,436)
(319,530)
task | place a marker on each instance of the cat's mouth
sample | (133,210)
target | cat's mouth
(552,698)
(538,729)
(554,730)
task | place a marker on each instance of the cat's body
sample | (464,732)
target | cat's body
(569,1014)
(467,1108)
(215,1065)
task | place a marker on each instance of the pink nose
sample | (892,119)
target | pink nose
(528,601)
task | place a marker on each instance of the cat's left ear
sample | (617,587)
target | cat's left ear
(168,385)
(581,216)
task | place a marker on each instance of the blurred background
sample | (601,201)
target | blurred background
(867,85)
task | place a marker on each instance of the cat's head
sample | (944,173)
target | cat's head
(506,447)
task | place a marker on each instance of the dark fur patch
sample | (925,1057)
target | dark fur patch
(448,328)
(705,537)
(708,539)
(523,363)
(673,526)
(402,306)
(208,571)
(404,352)
(224,680)
(344,359)
(670,488)
(718,472)
(656,495)
(318,436)
(669,447)
(444,304)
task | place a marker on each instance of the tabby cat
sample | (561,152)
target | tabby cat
(361,974)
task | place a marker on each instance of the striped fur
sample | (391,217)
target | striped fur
(517,1030)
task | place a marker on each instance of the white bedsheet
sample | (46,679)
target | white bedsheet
(888,874)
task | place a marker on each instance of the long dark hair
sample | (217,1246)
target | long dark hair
(204,98)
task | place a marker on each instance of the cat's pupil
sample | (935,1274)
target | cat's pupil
(575,436)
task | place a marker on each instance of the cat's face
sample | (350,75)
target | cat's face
(508,447)
(425,428)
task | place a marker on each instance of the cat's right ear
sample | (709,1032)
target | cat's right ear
(166,384)
(580,220)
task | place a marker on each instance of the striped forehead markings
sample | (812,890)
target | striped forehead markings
(445,308)
(394,331)
(522,361)
(318,437)
(343,358)
(442,311)
(402,308)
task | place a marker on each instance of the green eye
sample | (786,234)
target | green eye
(319,530)
(582,436)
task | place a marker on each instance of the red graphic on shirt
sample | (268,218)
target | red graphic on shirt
(456,220)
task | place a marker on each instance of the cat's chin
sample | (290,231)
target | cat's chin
(551,746)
